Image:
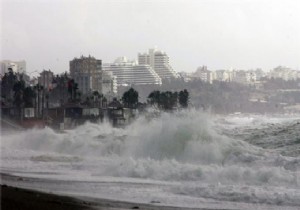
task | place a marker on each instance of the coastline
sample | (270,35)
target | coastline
(15,198)
(18,192)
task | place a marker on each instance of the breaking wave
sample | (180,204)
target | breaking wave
(185,146)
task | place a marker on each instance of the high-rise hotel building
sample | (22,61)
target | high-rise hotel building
(159,62)
(87,73)
(131,73)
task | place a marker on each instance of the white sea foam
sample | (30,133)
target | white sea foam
(188,147)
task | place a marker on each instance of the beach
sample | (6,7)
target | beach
(13,198)
(16,198)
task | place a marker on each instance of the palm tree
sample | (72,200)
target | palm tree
(18,89)
(7,84)
(38,88)
(97,98)
(163,100)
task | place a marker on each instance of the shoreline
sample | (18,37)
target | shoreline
(19,198)
(15,198)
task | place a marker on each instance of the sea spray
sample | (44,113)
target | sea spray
(189,147)
(187,136)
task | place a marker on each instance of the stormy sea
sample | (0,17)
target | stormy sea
(187,159)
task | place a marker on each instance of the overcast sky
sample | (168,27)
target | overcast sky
(220,34)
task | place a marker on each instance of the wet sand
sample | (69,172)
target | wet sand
(16,197)
(13,198)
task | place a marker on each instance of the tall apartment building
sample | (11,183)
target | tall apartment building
(129,72)
(87,73)
(159,61)
(16,66)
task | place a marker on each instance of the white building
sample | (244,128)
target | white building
(130,73)
(223,75)
(159,61)
(244,77)
(204,74)
(284,73)
(16,66)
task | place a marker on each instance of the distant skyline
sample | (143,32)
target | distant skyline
(221,34)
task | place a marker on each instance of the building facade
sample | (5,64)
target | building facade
(16,66)
(204,74)
(130,73)
(87,73)
(159,61)
(284,73)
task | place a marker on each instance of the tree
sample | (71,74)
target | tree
(60,89)
(168,100)
(18,89)
(154,98)
(38,88)
(18,102)
(29,96)
(72,89)
(7,83)
(163,100)
(131,98)
(97,98)
(184,98)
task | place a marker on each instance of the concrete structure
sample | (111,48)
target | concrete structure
(244,77)
(87,73)
(45,79)
(284,73)
(109,83)
(223,75)
(186,76)
(204,74)
(16,66)
(259,74)
(130,73)
(159,61)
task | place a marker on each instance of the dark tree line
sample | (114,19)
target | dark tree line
(14,91)
(168,100)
